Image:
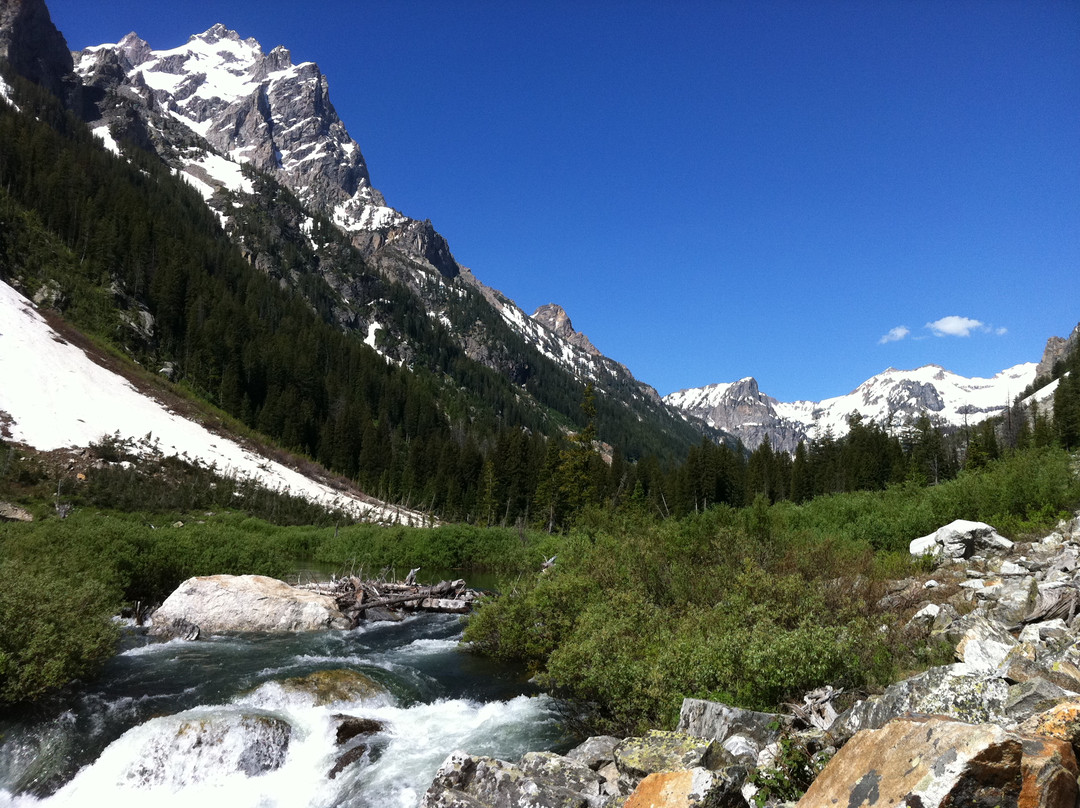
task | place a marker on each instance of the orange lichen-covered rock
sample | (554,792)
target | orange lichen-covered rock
(932,761)
(1048,769)
(681,789)
(1061,721)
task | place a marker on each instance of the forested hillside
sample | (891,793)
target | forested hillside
(133,255)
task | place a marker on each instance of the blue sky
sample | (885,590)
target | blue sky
(803,192)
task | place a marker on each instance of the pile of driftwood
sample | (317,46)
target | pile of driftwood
(379,600)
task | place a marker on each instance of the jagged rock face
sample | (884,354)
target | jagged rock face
(893,399)
(1056,350)
(421,239)
(260,109)
(911,398)
(555,319)
(742,410)
(36,50)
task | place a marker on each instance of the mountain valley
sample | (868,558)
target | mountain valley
(474,398)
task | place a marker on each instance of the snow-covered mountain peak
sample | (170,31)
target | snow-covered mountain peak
(891,398)
(218,32)
(134,48)
(251,107)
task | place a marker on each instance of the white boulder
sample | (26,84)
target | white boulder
(960,539)
(985,645)
(245,603)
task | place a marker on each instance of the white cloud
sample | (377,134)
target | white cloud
(1001,331)
(953,326)
(895,334)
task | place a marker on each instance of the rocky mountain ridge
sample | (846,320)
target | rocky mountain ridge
(239,106)
(219,109)
(893,398)
(1057,349)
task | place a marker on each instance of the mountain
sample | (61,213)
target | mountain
(30,43)
(57,396)
(240,106)
(893,397)
(219,106)
(216,222)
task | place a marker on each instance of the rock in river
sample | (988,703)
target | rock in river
(246,603)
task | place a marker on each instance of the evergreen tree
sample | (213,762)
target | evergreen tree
(802,485)
(1067,410)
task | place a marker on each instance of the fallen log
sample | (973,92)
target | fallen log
(447,605)
(355,596)
(392,601)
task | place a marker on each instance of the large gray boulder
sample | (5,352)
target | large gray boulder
(13,513)
(660,751)
(1032,697)
(596,752)
(960,539)
(742,733)
(540,781)
(245,603)
(563,772)
(951,690)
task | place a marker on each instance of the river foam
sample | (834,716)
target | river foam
(234,737)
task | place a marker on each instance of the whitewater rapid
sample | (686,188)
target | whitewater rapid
(197,724)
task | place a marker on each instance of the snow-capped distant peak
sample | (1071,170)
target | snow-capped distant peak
(890,398)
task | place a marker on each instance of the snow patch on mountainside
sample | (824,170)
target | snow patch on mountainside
(698,397)
(103,134)
(1044,396)
(6,93)
(54,396)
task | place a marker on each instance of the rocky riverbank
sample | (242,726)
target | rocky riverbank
(1000,726)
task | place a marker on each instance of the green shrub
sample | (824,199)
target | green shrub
(752,607)
(54,626)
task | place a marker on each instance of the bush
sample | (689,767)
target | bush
(752,607)
(638,613)
(54,627)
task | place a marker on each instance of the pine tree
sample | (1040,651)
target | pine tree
(801,485)
(1067,410)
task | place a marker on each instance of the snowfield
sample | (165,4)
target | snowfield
(53,396)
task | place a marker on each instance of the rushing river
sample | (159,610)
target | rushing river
(127,739)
